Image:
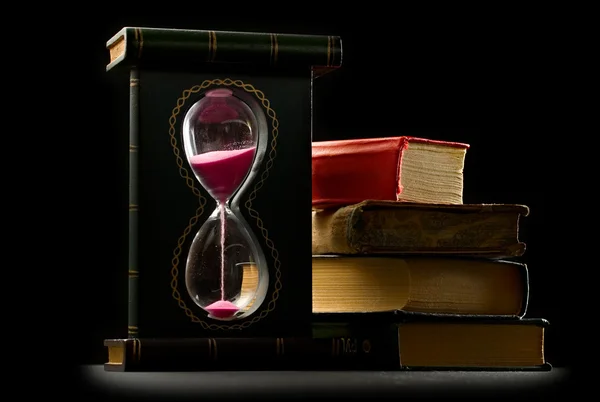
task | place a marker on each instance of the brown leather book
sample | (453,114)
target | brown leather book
(390,227)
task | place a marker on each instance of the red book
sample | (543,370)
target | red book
(402,168)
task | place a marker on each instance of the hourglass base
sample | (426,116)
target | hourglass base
(222,309)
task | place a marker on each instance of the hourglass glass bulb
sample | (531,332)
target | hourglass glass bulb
(224,143)
(220,139)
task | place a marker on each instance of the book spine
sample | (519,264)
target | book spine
(330,231)
(354,230)
(259,354)
(133,274)
(346,173)
(525,292)
(152,47)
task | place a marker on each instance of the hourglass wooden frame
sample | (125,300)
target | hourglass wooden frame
(252,96)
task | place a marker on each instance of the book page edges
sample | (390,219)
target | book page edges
(117,48)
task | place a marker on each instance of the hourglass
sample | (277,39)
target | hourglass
(220,137)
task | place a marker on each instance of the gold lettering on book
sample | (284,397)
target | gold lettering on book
(344,346)
(366,346)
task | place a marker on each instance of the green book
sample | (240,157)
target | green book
(188,50)
(351,342)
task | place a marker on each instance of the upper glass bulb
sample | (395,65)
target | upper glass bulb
(220,135)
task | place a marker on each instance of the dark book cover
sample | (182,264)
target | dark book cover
(408,228)
(191,50)
(168,205)
(365,325)
(339,342)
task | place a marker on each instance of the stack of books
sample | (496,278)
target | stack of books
(398,257)
(404,275)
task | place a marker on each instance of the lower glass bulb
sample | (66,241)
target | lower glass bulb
(223,275)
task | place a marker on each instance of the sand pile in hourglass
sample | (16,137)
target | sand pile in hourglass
(220,140)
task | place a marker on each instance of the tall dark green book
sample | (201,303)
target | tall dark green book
(413,342)
(218,116)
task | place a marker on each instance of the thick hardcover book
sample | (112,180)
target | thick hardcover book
(448,285)
(389,227)
(446,341)
(187,50)
(412,342)
(390,168)
(168,206)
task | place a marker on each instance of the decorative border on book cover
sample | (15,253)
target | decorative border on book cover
(183,172)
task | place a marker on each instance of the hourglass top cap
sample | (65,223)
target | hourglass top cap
(216,109)
(219,93)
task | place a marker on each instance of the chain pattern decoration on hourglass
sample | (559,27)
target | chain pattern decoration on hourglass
(248,204)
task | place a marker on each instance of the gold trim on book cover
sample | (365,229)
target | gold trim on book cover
(209,53)
(133,207)
(191,183)
(133,148)
(212,46)
(329,50)
(133,274)
(140,41)
(280,347)
(134,82)
(212,349)
(274,49)
(136,350)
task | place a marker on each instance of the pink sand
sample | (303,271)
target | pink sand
(222,245)
(222,309)
(222,172)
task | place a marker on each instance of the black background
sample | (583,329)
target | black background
(488,78)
